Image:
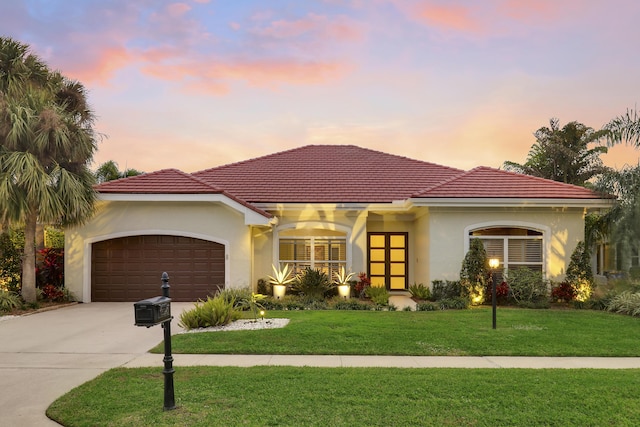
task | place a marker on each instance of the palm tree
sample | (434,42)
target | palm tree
(564,154)
(623,220)
(108,171)
(624,128)
(47,136)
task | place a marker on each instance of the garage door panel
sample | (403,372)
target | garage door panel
(129,268)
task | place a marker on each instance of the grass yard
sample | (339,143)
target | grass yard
(290,396)
(520,332)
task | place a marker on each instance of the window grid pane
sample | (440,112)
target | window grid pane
(515,248)
(326,255)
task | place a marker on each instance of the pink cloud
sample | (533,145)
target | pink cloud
(100,67)
(314,25)
(178,9)
(215,76)
(449,17)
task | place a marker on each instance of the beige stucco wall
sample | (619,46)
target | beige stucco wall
(204,220)
(438,237)
(564,228)
(353,224)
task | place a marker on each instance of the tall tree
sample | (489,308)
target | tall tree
(624,219)
(564,154)
(108,171)
(47,142)
(624,128)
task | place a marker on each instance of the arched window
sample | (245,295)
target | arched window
(513,246)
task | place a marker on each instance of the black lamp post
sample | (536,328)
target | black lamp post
(493,264)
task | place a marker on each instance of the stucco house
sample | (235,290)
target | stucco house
(397,219)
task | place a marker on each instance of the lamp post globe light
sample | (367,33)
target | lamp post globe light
(494,263)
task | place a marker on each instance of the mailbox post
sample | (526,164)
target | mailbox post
(169,398)
(156,311)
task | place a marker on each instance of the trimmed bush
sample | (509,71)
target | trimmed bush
(427,306)
(455,303)
(351,304)
(474,272)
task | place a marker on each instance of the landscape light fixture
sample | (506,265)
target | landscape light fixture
(494,263)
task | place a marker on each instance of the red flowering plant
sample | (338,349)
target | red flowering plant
(502,290)
(363,283)
(563,292)
(50,273)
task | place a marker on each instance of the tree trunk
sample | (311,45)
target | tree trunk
(29,258)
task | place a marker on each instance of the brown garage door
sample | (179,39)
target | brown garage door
(130,268)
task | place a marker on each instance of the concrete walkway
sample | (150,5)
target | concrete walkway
(243,360)
(45,355)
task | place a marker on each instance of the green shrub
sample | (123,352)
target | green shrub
(378,295)
(212,312)
(314,304)
(445,289)
(427,306)
(313,284)
(526,285)
(53,238)
(241,297)
(579,273)
(264,287)
(350,304)
(420,291)
(625,303)
(634,273)
(536,304)
(9,301)
(456,303)
(473,274)
(253,303)
(10,262)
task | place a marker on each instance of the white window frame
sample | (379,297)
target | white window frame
(315,226)
(544,230)
(310,242)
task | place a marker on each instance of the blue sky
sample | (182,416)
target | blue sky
(196,84)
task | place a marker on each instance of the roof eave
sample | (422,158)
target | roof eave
(511,202)
(252,215)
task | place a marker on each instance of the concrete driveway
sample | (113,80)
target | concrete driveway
(44,355)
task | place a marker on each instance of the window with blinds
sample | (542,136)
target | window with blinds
(325,254)
(513,247)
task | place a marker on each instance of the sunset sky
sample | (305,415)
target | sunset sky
(200,83)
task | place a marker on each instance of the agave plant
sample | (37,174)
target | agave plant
(281,276)
(341,277)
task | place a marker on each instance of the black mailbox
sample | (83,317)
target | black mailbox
(152,311)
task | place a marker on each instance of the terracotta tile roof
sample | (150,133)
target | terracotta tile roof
(485,182)
(166,181)
(327,173)
(343,174)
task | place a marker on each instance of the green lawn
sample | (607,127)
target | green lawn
(292,396)
(304,396)
(520,332)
